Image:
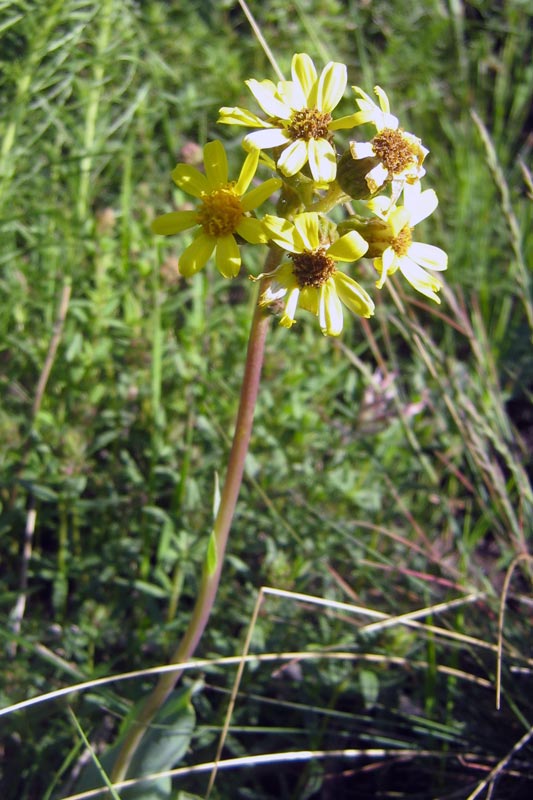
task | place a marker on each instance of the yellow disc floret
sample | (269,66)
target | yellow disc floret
(394,150)
(309,123)
(402,242)
(220,212)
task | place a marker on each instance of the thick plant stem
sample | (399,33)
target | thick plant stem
(213,566)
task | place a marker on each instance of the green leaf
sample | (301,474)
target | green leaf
(369,684)
(212,555)
(162,747)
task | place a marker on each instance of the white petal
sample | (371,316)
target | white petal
(322,161)
(429,256)
(265,94)
(293,158)
(331,86)
(267,137)
(330,314)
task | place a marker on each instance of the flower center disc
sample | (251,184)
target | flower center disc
(401,243)
(312,268)
(309,123)
(220,212)
(394,150)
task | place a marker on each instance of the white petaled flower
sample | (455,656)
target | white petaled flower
(392,237)
(399,154)
(297,117)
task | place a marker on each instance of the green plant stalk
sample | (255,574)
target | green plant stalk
(217,545)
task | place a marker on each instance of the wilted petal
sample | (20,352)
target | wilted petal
(287,319)
(362,150)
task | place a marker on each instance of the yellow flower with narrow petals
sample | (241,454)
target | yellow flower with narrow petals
(391,242)
(394,155)
(298,117)
(310,278)
(223,213)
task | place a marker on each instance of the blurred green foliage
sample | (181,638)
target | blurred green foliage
(390,469)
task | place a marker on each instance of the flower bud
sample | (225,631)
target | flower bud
(351,175)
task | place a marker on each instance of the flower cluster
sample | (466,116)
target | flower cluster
(382,176)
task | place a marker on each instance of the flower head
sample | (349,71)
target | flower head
(391,243)
(310,277)
(297,117)
(223,211)
(394,155)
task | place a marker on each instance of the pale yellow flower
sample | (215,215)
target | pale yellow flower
(297,117)
(310,278)
(391,243)
(395,155)
(223,213)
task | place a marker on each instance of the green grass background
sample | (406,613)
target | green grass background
(390,468)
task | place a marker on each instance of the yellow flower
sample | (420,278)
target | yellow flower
(395,155)
(298,117)
(391,244)
(223,211)
(310,278)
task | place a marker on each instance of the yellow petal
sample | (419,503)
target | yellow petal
(259,194)
(174,222)
(216,164)
(283,233)
(349,247)
(228,257)
(190,180)
(306,225)
(196,255)
(353,295)
(252,230)
(248,171)
(240,116)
